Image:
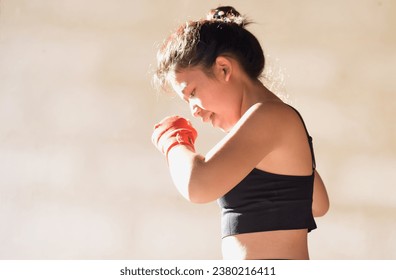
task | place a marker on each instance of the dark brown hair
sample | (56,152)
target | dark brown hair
(199,43)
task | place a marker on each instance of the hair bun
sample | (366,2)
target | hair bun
(226,14)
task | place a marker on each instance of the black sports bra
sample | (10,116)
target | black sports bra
(264,201)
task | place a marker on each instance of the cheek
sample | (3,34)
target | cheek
(218,100)
(225,105)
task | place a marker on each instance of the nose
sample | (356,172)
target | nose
(195,110)
(198,112)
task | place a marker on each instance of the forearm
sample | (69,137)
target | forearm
(184,165)
(174,137)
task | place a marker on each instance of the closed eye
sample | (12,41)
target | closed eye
(187,97)
(192,94)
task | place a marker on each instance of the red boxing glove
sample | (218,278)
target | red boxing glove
(172,131)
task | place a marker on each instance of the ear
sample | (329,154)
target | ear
(224,67)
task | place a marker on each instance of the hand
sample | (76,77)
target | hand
(172,131)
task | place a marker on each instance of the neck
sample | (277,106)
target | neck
(255,92)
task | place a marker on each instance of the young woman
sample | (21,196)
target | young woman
(263,171)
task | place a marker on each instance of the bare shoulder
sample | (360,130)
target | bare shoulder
(263,126)
(278,111)
(253,137)
(271,117)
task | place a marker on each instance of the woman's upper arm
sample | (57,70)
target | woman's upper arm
(225,165)
(320,204)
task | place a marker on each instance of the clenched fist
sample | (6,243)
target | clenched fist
(172,131)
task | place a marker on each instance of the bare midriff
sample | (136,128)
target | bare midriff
(280,244)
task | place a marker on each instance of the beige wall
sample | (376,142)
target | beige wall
(79,178)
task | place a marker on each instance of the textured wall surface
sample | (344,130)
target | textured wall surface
(79,177)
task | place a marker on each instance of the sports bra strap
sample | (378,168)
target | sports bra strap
(310,140)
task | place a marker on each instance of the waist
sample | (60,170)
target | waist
(282,244)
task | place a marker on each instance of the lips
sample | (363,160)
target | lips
(207,117)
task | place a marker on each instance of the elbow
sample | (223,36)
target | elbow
(198,195)
(193,193)
(194,183)
(197,198)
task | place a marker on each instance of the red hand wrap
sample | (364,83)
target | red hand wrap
(172,131)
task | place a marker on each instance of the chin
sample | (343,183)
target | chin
(227,126)
(225,129)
